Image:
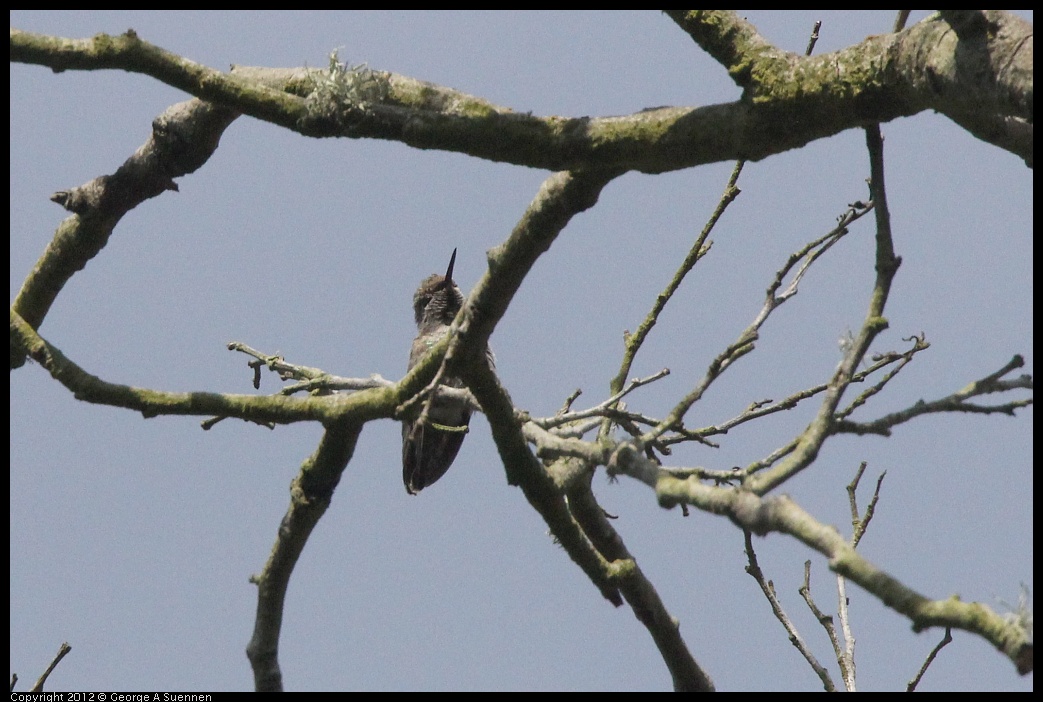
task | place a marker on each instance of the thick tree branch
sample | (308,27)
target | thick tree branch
(637,589)
(762,515)
(310,495)
(561,197)
(365,405)
(972,66)
(524,470)
(790,100)
(182,140)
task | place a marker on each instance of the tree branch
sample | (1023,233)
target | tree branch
(745,342)
(810,441)
(956,402)
(310,495)
(524,470)
(183,139)
(762,515)
(767,587)
(983,68)
(791,100)
(637,589)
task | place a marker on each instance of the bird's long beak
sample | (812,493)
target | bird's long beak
(449,270)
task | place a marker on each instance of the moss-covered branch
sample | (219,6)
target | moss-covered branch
(790,100)
(764,515)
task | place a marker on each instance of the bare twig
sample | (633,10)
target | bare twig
(825,620)
(956,402)
(813,39)
(601,408)
(946,640)
(846,657)
(802,260)
(153,403)
(63,650)
(860,522)
(919,344)
(567,405)
(768,588)
(763,408)
(698,249)
(900,19)
(811,440)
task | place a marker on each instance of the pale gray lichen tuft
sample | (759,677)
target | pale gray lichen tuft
(342,89)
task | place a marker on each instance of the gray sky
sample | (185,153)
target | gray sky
(133,540)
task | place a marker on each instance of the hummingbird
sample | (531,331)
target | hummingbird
(427,451)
